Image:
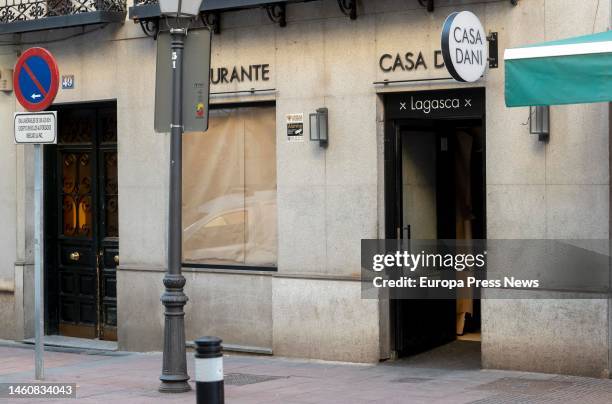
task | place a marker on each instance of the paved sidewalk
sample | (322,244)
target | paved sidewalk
(450,374)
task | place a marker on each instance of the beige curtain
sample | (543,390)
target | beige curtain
(229,189)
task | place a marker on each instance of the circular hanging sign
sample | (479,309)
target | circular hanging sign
(464,46)
(36,79)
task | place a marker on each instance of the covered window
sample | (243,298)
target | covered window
(229,189)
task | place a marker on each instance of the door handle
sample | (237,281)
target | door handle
(116,258)
(408,232)
(74,256)
(400,232)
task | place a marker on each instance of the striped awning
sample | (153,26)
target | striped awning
(569,71)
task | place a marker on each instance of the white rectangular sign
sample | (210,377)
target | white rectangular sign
(295,127)
(36,127)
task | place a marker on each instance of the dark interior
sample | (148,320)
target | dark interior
(457,178)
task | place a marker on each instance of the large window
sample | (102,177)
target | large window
(229,189)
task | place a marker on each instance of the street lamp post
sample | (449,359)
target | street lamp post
(174,375)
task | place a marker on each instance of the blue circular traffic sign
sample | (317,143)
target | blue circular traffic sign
(36,79)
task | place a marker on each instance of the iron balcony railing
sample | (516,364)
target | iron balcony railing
(25,10)
(18,16)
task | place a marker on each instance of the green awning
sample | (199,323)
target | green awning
(569,71)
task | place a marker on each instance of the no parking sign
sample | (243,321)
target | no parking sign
(36,79)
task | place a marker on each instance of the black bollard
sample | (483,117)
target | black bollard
(209,371)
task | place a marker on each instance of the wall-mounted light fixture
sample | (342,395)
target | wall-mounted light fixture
(539,122)
(319,127)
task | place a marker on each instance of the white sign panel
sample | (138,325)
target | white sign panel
(36,127)
(295,127)
(464,46)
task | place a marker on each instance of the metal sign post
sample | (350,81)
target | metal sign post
(181,104)
(38,264)
(38,129)
(36,81)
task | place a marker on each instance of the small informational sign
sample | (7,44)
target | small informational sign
(68,82)
(196,82)
(36,127)
(464,46)
(295,127)
(36,79)
(6,79)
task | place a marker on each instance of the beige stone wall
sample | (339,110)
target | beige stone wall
(555,190)
(329,199)
(9,301)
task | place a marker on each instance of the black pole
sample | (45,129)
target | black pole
(209,371)
(174,375)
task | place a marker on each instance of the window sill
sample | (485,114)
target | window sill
(229,269)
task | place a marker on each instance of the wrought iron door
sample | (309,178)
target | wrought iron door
(84,251)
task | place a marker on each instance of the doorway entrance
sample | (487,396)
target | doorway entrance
(82,223)
(434,189)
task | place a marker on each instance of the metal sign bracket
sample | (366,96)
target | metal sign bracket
(212,21)
(348,8)
(493,50)
(277,14)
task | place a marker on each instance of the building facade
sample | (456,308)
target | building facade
(273,221)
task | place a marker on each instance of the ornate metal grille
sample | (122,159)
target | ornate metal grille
(25,10)
(144,2)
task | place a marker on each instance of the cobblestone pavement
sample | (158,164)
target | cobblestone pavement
(437,377)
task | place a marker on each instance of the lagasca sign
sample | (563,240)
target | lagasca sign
(464,46)
(427,105)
